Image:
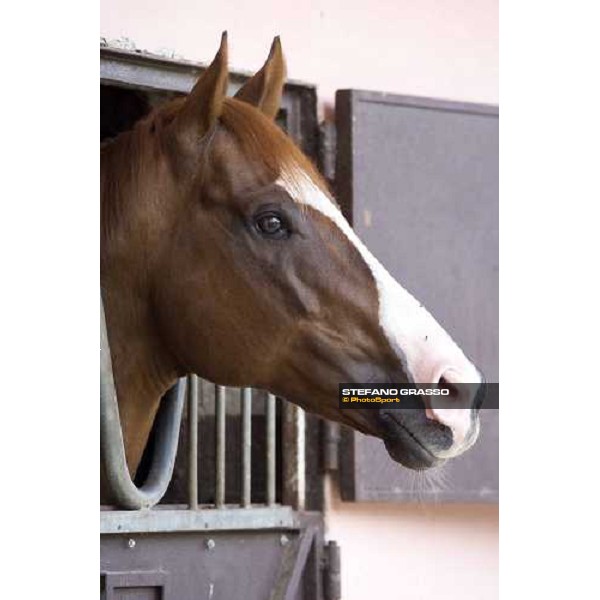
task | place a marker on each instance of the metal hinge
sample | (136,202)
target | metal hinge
(332,583)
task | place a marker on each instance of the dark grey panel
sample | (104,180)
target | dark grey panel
(419,180)
(369,474)
(220,565)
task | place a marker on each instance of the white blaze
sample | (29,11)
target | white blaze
(426,351)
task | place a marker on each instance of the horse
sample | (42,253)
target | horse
(225,255)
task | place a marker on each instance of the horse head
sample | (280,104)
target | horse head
(225,255)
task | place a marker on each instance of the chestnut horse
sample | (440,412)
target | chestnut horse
(223,254)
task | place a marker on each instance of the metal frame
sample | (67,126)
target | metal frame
(132,69)
(119,480)
(302,555)
(172,518)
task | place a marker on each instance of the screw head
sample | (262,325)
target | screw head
(209,544)
(131,543)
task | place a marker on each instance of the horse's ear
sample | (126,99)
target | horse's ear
(265,88)
(204,104)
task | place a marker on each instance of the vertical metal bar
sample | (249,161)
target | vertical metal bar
(246,401)
(193,442)
(294,453)
(220,445)
(301,453)
(270,417)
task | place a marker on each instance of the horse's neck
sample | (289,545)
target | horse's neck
(142,369)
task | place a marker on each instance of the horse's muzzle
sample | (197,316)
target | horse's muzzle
(411,439)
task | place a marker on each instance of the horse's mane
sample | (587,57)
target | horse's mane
(125,158)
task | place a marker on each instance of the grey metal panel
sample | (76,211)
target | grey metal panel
(223,564)
(220,566)
(419,180)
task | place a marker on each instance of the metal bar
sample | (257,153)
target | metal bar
(292,566)
(168,423)
(220,445)
(312,584)
(166,520)
(246,401)
(137,69)
(294,456)
(193,442)
(270,417)
(301,442)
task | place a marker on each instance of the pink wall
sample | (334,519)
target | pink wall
(423,47)
(437,48)
(415,552)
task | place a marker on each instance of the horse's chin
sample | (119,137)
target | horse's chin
(404,448)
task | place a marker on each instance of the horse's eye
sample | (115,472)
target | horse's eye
(271,225)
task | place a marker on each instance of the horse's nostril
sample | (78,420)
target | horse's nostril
(457,393)
(454,392)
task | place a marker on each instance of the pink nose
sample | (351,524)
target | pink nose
(454,409)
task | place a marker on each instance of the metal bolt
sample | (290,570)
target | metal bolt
(131,543)
(284,540)
(210,544)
